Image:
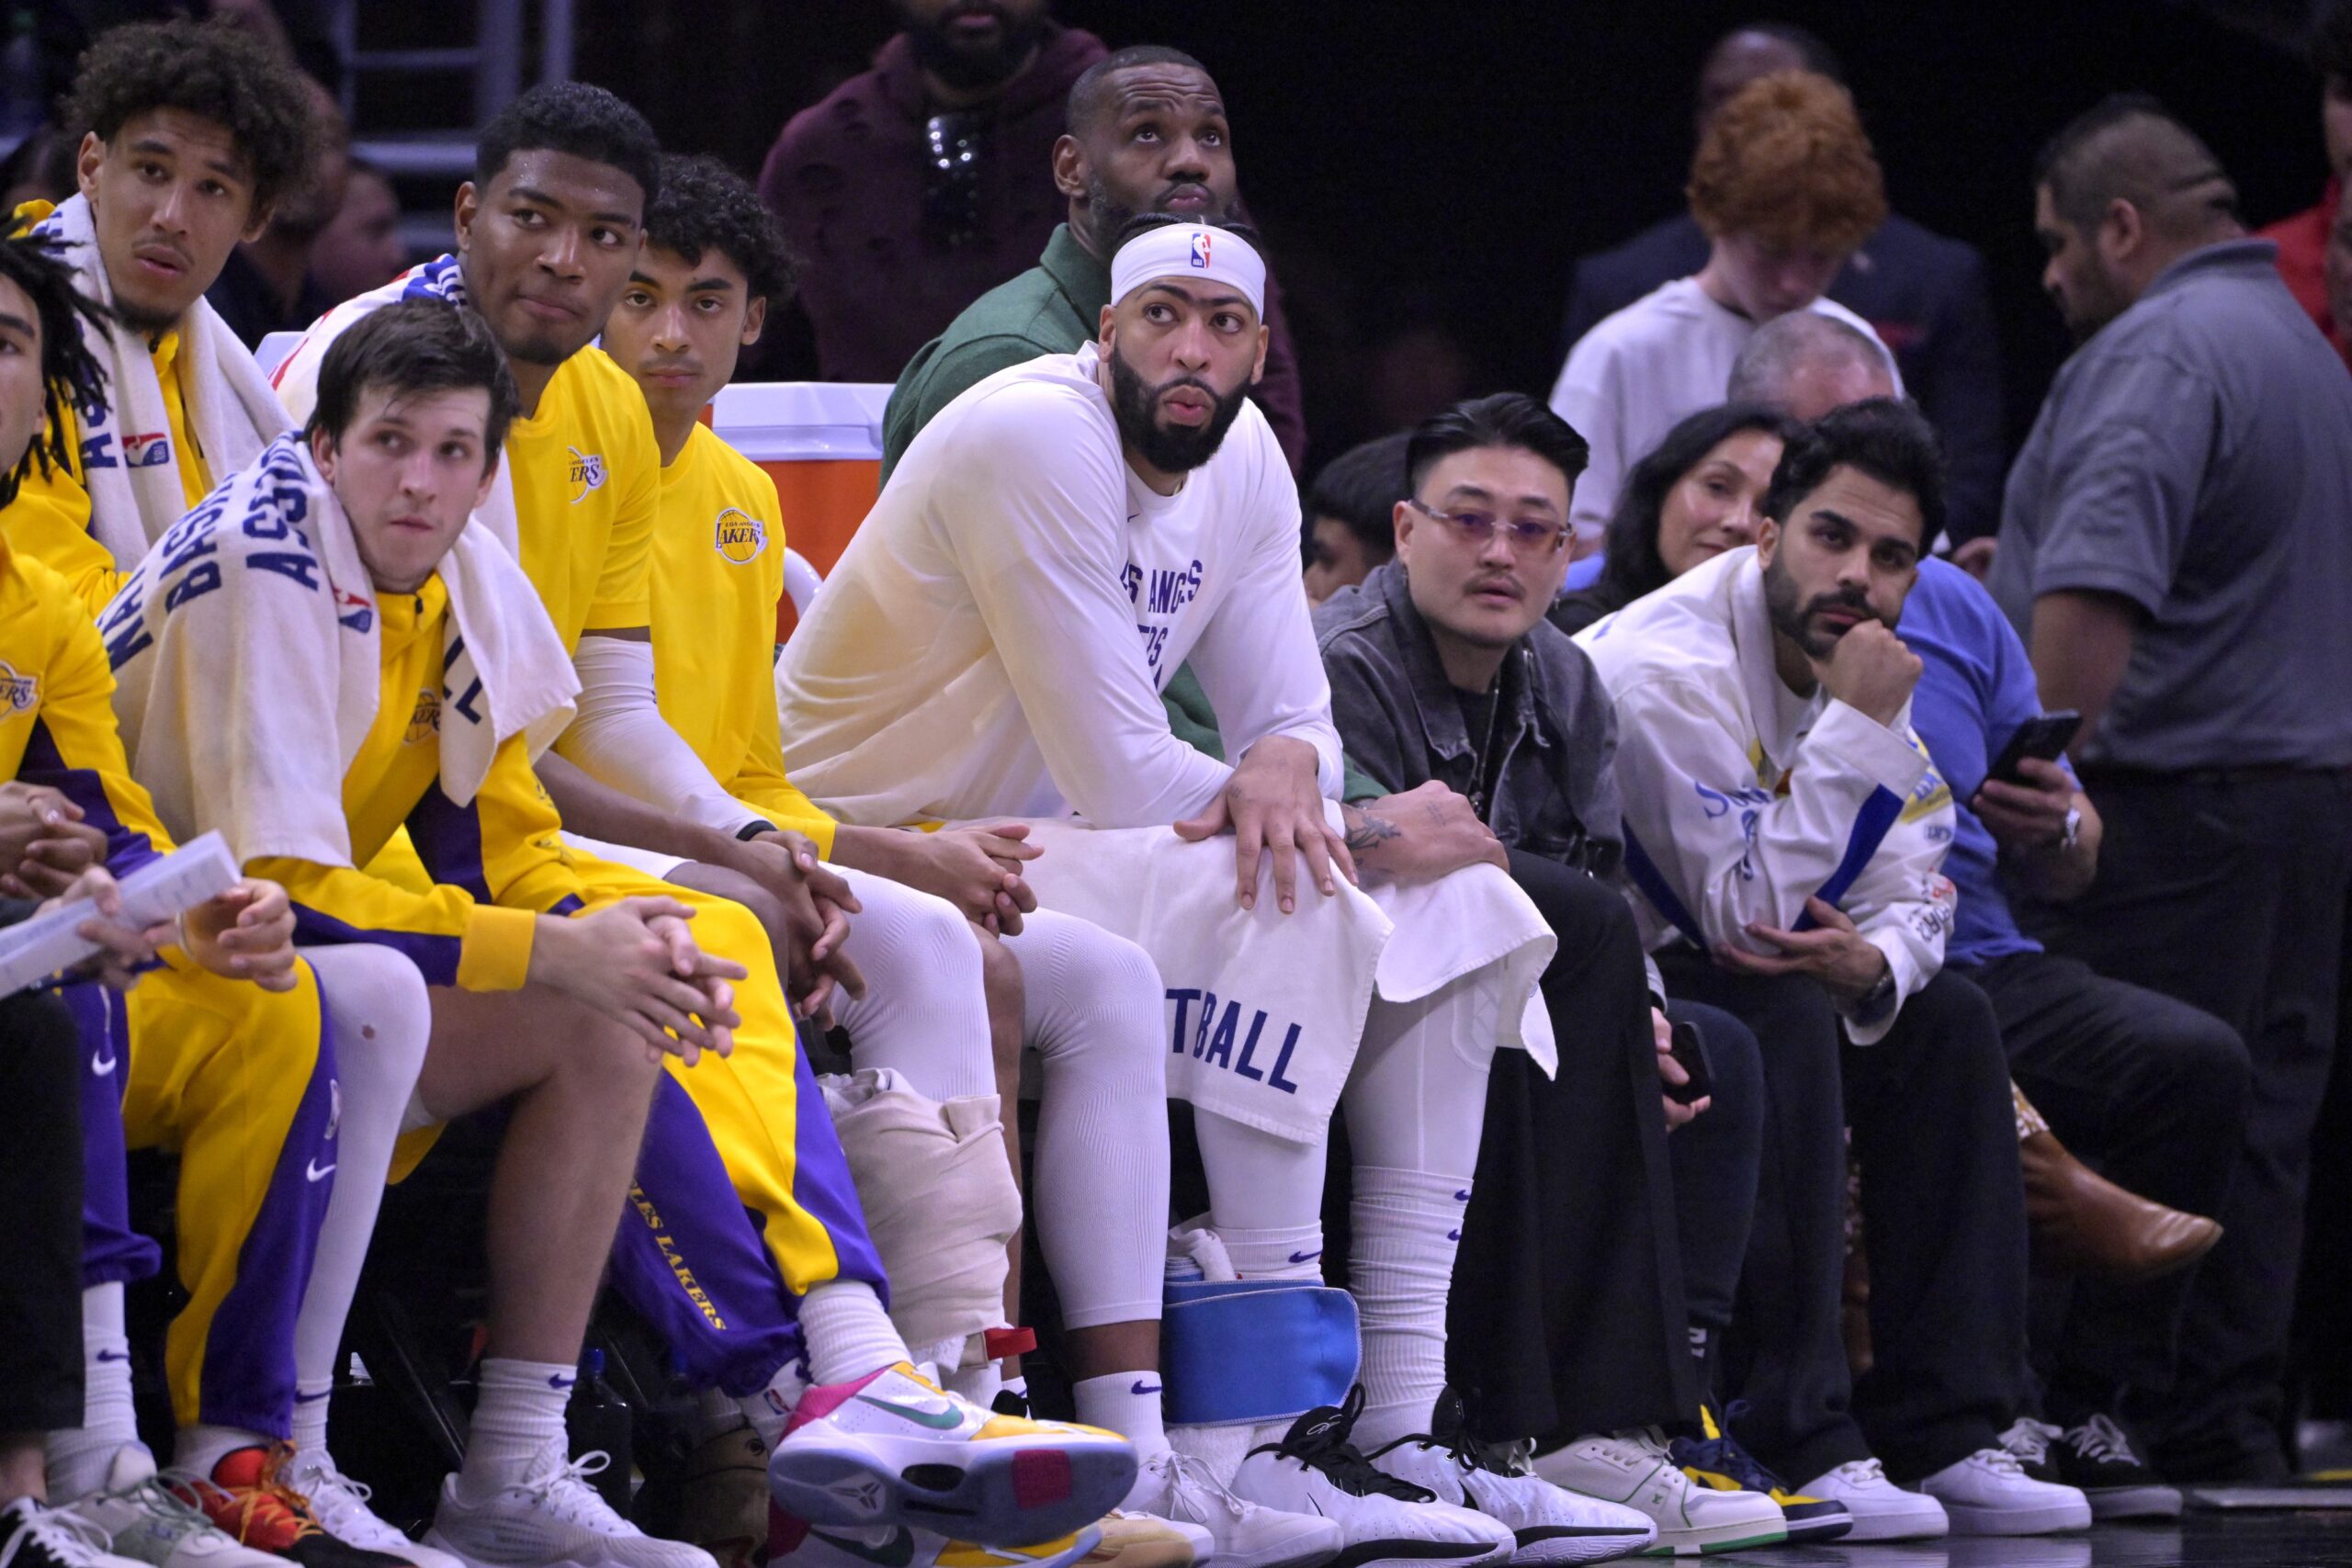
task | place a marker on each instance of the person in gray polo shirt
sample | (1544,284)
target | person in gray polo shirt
(2175,546)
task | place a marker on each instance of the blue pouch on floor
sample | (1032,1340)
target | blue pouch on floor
(1242,1352)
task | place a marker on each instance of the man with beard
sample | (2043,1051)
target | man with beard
(2174,550)
(1147,133)
(915,187)
(1053,545)
(1783,821)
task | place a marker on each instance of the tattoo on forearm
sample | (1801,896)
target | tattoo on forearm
(1367,831)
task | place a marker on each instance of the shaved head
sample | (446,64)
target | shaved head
(2131,149)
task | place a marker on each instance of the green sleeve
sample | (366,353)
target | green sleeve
(1194,723)
(930,383)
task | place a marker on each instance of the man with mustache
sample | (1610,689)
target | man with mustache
(1782,819)
(1148,132)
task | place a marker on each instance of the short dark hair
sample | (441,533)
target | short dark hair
(1501,418)
(1085,100)
(1360,487)
(1890,441)
(2331,40)
(70,373)
(576,118)
(414,345)
(1632,566)
(211,69)
(2129,147)
(706,205)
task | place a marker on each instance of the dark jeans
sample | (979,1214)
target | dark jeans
(1566,1317)
(2228,894)
(2150,1092)
(1715,1160)
(1943,1217)
(41,1150)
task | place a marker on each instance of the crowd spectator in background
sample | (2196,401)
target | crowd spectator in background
(919,184)
(1784,185)
(360,248)
(2308,243)
(2172,547)
(267,284)
(1923,294)
(1804,365)
(1147,133)
(1351,521)
(41,169)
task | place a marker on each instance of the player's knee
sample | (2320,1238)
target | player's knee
(1002,985)
(609,1062)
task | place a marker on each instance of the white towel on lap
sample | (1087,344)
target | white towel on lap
(261,590)
(126,458)
(1265,1009)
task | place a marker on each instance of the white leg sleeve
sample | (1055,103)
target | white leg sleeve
(377,1003)
(924,1016)
(1095,1014)
(1416,1105)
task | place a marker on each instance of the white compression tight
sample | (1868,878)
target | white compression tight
(1415,1104)
(382,1015)
(924,1015)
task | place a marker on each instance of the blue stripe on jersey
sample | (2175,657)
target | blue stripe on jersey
(1870,824)
(435,957)
(1645,876)
(127,850)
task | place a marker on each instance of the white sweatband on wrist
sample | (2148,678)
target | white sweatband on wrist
(620,737)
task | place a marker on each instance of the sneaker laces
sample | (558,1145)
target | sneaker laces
(1319,1441)
(269,1502)
(1725,1456)
(2001,1463)
(565,1491)
(69,1536)
(2099,1439)
(337,1497)
(2029,1439)
(1862,1472)
(163,1508)
(1188,1473)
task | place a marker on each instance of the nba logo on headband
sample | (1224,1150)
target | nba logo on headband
(1201,248)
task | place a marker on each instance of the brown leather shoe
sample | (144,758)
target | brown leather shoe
(2081,1222)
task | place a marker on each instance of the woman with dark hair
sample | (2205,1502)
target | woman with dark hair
(1700,492)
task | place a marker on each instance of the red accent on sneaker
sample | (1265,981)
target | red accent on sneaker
(999,1343)
(1040,1476)
(786,1533)
(822,1401)
(245,1497)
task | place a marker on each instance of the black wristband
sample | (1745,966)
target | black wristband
(753,828)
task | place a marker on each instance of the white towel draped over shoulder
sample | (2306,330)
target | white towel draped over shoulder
(135,493)
(1265,1009)
(247,654)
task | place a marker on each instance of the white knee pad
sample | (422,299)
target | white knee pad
(940,1202)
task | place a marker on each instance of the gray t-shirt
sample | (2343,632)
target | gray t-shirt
(2195,457)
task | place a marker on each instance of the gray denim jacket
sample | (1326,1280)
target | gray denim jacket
(1555,729)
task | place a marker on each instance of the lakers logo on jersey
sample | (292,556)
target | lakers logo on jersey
(17,692)
(425,719)
(587,473)
(740,535)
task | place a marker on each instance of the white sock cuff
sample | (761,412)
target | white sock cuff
(1288,1252)
(847,1332)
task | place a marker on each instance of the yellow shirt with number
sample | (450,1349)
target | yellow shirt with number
(587,474)
(718,578)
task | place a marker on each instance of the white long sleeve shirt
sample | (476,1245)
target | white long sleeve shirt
(1743,798)
(994,639)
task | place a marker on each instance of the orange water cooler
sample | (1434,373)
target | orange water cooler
(821,442)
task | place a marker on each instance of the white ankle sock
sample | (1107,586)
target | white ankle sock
(1291,1252)
(517,1417)
(1126,1402)
(847,1332)
(200,1447)
(1408,1227)
(311,1397)
(79,1457)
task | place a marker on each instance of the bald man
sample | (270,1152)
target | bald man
(1804,365)
(2174,547)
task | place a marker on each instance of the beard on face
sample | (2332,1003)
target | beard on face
(1107,215)
(1800,624)
(2100,298)
(970,67)
(1172,449)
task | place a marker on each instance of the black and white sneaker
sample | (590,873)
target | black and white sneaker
(1316,1470)
(2097,1458)
(35,1537)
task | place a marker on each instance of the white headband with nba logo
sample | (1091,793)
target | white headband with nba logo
(1190,250)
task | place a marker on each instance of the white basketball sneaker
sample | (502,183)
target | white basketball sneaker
(894,1448)
(1242,1534)
(1550,1525)
(1882,1510)
(1314,1469)
(551,1516)
(1636,1469)
(341,1504)
(1989,1494)
(147,1521)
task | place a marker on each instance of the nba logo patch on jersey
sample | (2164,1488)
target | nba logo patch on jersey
(18,691)
(587,473)
(1201,248)
(740,535)
(152,451)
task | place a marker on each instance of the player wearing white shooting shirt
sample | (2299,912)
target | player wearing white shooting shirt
(1053,545)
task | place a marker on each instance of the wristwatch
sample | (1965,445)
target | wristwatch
(1873,1002)
(2073,831)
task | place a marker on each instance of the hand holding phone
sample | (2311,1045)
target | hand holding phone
(1690,1051)
(2045,737)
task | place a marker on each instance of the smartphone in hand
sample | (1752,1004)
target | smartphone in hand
(2045,737)
(1686,1046)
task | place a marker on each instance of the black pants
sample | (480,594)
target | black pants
(1566,1315)
(2152,1093)
(2229,895)
(40,1152)
(1716,1160)
(1943,1216)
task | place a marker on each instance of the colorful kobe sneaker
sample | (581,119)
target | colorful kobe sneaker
(147,1522)
(1550,1525)
(795,1543)
(1314,1468)
(32,1536)
(1718,1461)
(894,1448)
(552,1518)
(245,1497)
